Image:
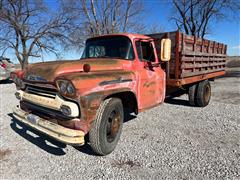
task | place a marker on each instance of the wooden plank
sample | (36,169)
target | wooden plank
(210,59)
(190,80)
(189,74)
(190,65)
(177,54)
(191,53)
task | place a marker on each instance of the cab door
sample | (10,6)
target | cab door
(151,87)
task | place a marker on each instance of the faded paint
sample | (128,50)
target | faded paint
(51,70)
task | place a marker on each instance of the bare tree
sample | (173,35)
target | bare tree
(111,16)
(100,17)
(194,16)
(29,28)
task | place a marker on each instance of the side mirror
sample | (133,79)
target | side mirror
(165,49)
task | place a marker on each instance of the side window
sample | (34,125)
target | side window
(145,51)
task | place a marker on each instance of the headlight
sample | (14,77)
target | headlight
(70,89)
(66,88)
(62,87)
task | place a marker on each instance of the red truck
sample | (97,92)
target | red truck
(117,73)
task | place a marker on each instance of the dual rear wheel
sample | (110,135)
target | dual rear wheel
(200,94)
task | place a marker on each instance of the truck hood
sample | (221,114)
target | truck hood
(48,71)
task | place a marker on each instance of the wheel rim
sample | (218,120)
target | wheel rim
(207,93)
(113,125)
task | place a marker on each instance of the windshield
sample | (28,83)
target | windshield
(113,47)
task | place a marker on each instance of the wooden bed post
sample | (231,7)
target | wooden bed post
(177,55)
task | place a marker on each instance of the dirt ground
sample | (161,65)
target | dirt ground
(227,88)
(171,141)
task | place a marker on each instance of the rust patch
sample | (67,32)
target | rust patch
(4,153)
(46,70)
(100,75)
(51,70)
(148,84)
(152,92)
(91,103)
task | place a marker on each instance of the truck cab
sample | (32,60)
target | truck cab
(137,55)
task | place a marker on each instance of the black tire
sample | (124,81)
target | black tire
(192,94)
(203,93)
(106,128)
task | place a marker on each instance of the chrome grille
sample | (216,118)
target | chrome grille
(40,91)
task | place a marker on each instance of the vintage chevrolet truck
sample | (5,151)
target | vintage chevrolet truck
(117,73)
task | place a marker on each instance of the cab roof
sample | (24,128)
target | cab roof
(129,35)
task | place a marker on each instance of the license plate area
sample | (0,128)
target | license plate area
(32,118)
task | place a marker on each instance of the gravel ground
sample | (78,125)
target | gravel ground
(172,141)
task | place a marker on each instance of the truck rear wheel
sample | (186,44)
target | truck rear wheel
(106,129)
(203,95)
(192,94)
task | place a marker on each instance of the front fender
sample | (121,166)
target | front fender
(93,88)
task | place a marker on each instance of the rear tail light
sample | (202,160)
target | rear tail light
(4,66)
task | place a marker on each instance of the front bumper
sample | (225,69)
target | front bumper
(56,131)
(51,103)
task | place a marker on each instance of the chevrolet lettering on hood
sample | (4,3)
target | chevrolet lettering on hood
(31,77)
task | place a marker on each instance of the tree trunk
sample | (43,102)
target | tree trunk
(24,64)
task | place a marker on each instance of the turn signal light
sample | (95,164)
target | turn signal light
(66,110)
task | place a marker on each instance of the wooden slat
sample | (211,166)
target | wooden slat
(188,74)
(191,53)
(177,60)
(203,59)
(189,65)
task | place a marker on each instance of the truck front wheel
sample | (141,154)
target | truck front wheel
(106,129)
(203,95)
